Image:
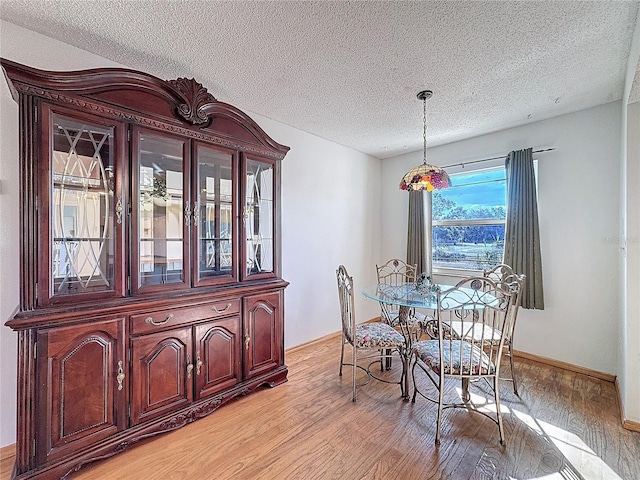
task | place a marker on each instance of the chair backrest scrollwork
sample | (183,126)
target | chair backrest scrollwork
(396,272)
(505,277)
(478,310)
(347,308)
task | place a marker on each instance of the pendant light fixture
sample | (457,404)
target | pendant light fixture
(425,177)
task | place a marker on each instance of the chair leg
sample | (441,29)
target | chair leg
(496,391)
(342,355)
(353,371)
(413,377)
(513,370)
(440,404)
(404,384)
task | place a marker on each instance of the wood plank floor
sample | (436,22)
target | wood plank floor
(563,426)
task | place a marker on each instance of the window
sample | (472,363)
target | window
(469,221)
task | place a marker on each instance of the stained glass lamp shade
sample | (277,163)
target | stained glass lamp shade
(425,176)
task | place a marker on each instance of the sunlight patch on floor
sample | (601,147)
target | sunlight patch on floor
(581,460)
(578,454)
(481,403)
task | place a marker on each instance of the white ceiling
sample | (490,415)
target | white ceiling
(349,71)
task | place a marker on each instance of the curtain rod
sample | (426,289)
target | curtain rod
(492,158)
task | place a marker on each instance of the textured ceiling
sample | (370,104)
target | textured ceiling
(349,71)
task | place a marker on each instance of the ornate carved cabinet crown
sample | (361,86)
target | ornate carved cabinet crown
(151,289)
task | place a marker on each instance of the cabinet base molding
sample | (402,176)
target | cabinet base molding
(119,443)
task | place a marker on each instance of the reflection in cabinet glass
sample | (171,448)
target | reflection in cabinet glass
(82,207)
(160,207)
(213,213)
(258,217)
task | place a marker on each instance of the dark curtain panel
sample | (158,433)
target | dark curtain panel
(522,234)
(419,231)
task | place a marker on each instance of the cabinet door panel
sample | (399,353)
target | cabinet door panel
(82,395)
(259,219)
(162,373)
(263,347)
(214,213)
(218,347)
(82,207)
(161,212)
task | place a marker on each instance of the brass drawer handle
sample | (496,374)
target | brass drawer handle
(215,309)
(198,363)
(120,376)
(195,213)
(189,366)
(187,214)
(119,210)
(157,324)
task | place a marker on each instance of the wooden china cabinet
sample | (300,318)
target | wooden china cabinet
(151,289)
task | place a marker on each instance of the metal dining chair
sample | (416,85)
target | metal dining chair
(477,305)
(373,339)
(504,276)
(397,272)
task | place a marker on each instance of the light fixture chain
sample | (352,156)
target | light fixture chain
(424,130)
(425,176)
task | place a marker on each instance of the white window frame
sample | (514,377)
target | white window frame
(461,272)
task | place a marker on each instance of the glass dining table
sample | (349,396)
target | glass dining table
(404,295)
(407,296)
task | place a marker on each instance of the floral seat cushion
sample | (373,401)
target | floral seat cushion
(454,364)
(377,335)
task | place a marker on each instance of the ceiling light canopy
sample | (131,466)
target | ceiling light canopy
(425,176)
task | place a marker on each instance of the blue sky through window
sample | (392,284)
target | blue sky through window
(478,189)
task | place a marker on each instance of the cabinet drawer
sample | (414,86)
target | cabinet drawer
(171,317)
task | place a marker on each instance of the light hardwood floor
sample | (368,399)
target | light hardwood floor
(564,426)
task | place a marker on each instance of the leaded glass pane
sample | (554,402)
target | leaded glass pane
(161,210)
(258,217)
(214,213)
(82,228)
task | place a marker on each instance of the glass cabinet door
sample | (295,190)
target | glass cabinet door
(213,216)
(258,219)
(85,210)
(160,211)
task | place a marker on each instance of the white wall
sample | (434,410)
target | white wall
(578,215)
(330,207)
(629,368)
(330,215)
